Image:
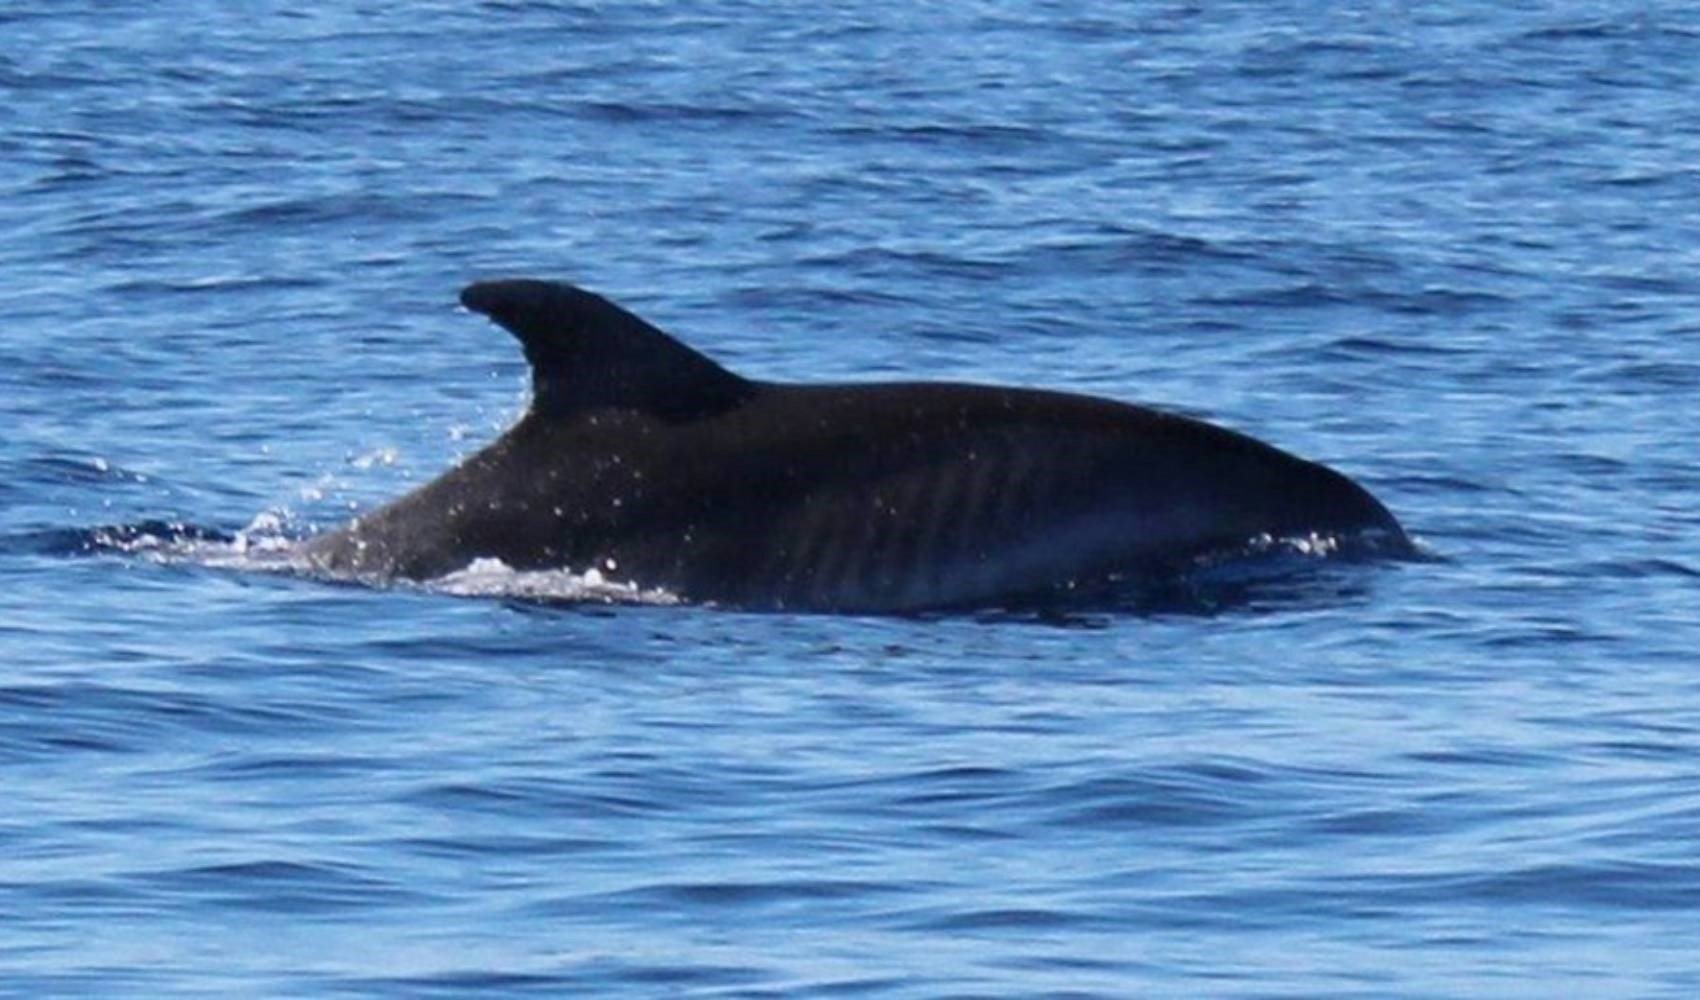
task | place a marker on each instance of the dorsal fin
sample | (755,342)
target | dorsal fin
(586,352)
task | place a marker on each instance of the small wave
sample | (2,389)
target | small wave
(1304,295)
(57,470)
(269,543)
(263,545)
(1372,348)
(283,885)
(752,895)
(1006,919)
(639,112)
(127,539)
(976,133)
(212,283)
(1606,29)
(1437,301)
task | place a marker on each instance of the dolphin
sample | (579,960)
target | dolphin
(649,462)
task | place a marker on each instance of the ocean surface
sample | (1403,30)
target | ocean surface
(1451,249)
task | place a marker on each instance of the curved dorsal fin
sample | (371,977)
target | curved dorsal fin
(587,352)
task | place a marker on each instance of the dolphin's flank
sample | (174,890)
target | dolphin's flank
(650,462)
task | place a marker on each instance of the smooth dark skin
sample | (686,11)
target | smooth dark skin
(649,462)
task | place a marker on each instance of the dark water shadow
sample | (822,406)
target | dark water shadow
(1277,581)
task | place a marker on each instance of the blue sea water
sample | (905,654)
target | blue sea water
(1451,249)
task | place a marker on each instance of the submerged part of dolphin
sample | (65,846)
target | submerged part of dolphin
(651,463)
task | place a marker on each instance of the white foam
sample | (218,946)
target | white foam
(271,543)
(385,456)
(1320,546)
(494,578)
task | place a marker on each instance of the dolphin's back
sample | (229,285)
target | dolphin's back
(921,495)
(651,463)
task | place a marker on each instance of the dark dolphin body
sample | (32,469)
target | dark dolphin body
(653,464)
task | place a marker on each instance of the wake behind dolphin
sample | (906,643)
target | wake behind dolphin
(646,461)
